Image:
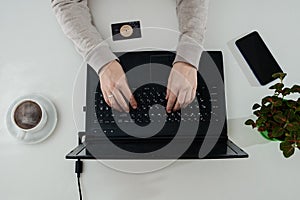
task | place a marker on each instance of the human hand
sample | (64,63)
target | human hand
(182,85)
(114,87)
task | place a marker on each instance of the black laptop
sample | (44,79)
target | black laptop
(198,131)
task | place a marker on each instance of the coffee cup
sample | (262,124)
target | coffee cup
(28,116)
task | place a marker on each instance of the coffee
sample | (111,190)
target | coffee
(28,115)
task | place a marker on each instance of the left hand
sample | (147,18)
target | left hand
(182,85)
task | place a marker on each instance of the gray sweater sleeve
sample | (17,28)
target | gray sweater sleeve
(76,21)
(192,17)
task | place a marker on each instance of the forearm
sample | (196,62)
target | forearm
(192,17)
(75,19)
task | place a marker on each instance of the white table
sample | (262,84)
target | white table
(36,57)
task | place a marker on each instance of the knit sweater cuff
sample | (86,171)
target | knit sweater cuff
(189,53)
(99,57)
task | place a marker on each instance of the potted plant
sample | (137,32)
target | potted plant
(278,117)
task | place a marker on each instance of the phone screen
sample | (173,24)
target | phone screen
(258,57)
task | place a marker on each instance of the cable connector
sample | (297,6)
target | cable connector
(78,167)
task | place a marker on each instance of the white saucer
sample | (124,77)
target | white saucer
(46,131)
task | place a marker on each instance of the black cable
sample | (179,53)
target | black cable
(78,171)
(79,188)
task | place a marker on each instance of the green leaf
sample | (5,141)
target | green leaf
(277,103)
(278,113)
(286,91)
(265,109)
(267,99)
(277,132)
(292,115)
(294,126)
(279,118)
(267,126)
(291,104)
(287,149)
(257,113)
(279,75)
(261,129)
(255,106)
(295,88)
(297,118)
(249,122)
(260,121)
(277,86)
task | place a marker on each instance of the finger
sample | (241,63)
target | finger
(115,105)
(106,99)
(180,99)
(113,102)
(193,94)
(120,100)
(168,88)
(167,93)
(187,99)
(129,96)
(133,102)
(177,106)
(171,101)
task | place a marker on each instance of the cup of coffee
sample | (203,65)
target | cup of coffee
(28,116)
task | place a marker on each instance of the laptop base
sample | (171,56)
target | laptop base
(224,150)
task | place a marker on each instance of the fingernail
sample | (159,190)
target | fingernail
(134,106)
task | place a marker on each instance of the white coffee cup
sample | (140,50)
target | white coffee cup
(28,116)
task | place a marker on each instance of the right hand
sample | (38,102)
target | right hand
(115,88)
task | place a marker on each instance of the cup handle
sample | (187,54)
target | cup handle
(21,135)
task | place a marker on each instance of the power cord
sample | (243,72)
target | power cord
(78,171)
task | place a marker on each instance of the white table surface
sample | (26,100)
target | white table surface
(36,57)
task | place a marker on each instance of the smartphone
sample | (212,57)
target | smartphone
(258,57)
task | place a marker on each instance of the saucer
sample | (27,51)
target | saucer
(45,132)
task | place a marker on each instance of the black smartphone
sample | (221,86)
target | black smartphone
(258,57)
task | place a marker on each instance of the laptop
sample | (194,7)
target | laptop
(198,131)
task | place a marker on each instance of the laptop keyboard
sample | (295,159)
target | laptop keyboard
(151,109)
(149,98)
